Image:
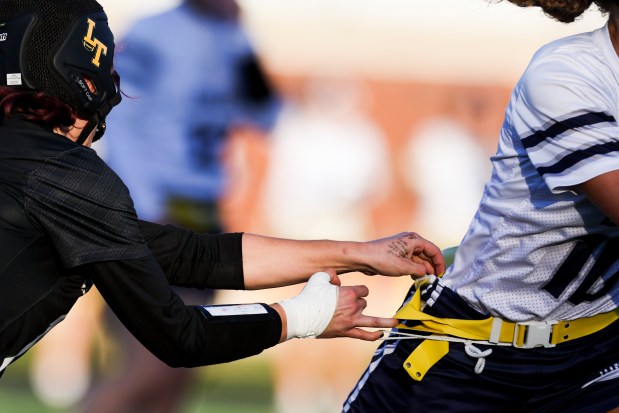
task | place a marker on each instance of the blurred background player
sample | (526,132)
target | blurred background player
(194,87)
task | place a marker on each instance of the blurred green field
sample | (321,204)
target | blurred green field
(243,386)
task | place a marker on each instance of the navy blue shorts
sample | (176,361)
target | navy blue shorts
(577,376)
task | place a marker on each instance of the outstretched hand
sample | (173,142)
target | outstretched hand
(348,317)
(325,309)
(406,253)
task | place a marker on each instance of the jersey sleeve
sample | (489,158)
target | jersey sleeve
(179,335)
(565,116)
(194,260)
(84,208)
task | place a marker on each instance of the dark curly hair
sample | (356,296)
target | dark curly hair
(566,11)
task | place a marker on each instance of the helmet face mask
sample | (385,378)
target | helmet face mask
(58,47)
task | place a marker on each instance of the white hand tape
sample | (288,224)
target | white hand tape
(310,312)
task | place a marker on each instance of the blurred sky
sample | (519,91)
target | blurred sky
(452,41)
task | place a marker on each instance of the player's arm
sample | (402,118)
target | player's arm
(603,191)
(250,261)
(188,336)
(273,262)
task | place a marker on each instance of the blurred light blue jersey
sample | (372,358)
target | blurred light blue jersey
(188,79)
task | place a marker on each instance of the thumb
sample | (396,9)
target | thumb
(319,278)
(329,274)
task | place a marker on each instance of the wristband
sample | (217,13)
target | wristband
(309,313)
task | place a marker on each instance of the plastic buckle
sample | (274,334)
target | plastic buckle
(536,334)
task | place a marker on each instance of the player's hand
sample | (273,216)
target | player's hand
(348,318)
(406,253)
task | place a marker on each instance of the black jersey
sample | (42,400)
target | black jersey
(67,220)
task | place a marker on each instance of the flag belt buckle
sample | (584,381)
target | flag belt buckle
(530,334)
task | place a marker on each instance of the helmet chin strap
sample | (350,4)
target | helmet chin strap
(90,126)
(101,127)
(98,121)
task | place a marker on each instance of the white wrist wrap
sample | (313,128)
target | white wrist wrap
(310,312)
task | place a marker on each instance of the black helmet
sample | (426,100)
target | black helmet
(54,46)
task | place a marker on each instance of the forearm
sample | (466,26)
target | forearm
(274,262)
(250,261)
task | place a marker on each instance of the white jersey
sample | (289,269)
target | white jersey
(535,249)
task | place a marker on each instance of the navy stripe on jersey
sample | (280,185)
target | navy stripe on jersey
(560,127)
(577,156)
(573,263)
(605,269)
(602,273)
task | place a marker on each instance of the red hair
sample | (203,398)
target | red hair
(37,107)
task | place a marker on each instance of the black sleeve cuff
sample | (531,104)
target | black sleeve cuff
(196,260)
(239,331)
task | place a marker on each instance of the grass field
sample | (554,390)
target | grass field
(244,386)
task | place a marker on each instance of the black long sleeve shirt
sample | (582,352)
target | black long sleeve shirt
(66,221)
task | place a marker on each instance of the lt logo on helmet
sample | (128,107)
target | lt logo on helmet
(94,44)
